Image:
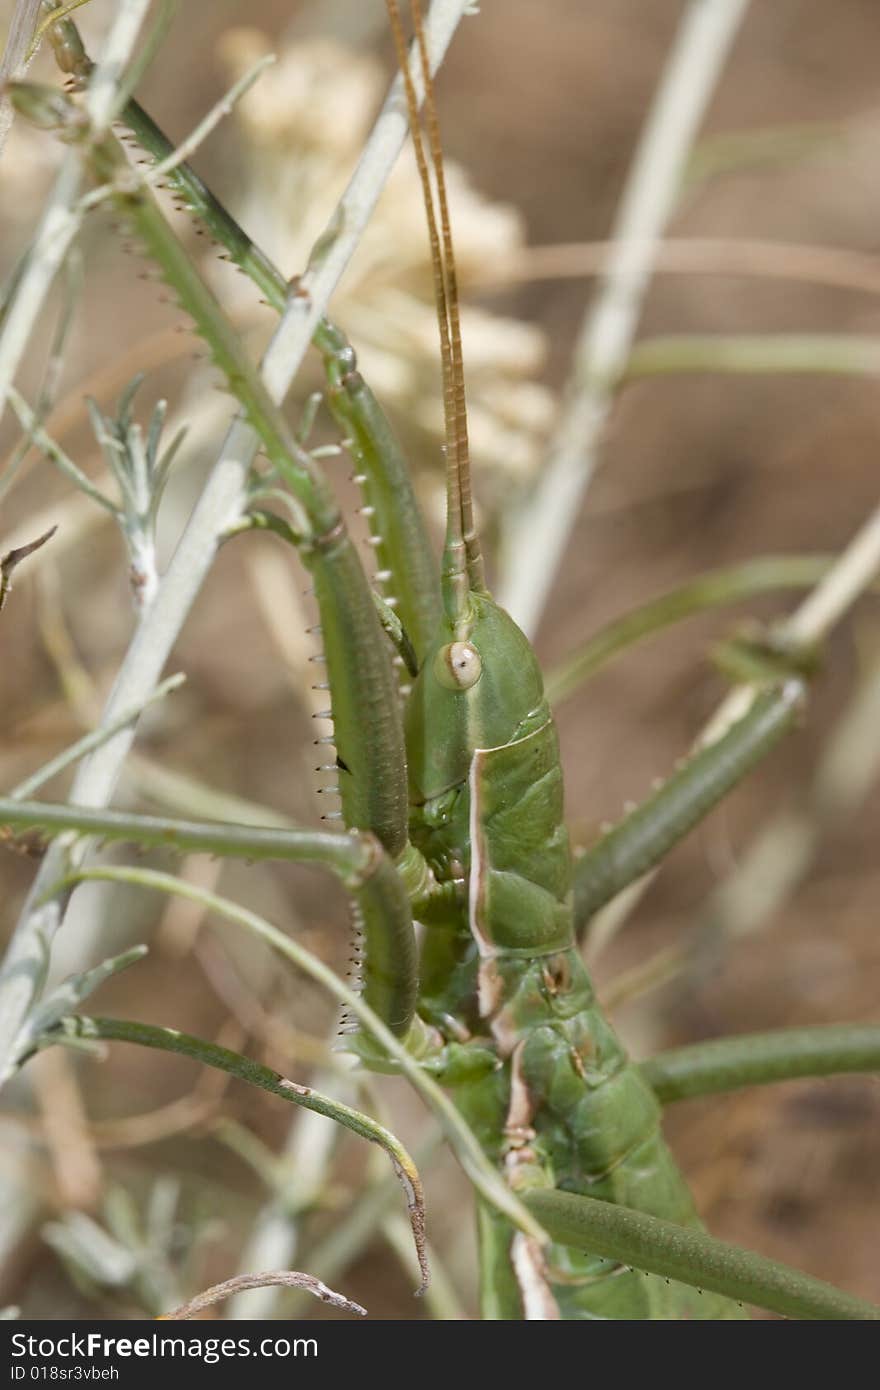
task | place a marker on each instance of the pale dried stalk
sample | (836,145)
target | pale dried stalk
(538,533)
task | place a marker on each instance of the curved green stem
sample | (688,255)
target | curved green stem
(463,1142)
(676,1252)
(716,589)
(306,481)
(347,855)
(757,1059)
(245,1069)
(382,907)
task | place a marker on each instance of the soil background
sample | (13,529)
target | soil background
(542,105)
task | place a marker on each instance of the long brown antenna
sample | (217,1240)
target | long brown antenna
(462,561)
(472,544)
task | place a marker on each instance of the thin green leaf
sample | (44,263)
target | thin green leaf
(691,1256)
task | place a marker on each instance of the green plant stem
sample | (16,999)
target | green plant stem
(715,589)
(29,422)
(675,1252)
(758,1059)
(463,1142)
(245,1069)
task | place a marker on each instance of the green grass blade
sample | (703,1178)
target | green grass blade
(716,589)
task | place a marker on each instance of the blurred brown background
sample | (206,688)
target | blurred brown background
(541,105)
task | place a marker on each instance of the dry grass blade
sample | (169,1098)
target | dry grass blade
(283,1278)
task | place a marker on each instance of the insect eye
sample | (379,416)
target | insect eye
(458,666)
